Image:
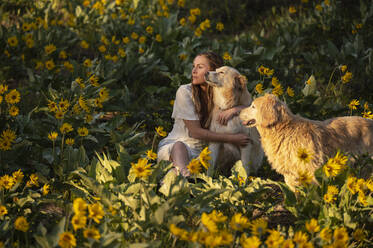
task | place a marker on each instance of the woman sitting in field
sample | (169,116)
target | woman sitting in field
(191,111)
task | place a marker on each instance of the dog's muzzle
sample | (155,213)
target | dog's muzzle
(207,76)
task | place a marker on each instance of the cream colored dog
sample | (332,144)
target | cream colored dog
(283,134)
(230,90)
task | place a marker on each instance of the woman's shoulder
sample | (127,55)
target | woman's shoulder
(184,88)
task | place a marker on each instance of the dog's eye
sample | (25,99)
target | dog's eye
(221,72)
(252,106)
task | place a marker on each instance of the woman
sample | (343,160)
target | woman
(192,107)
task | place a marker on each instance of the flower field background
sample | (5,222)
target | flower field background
(86,93)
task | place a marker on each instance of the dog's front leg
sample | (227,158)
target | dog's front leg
(214,148)
(246,158)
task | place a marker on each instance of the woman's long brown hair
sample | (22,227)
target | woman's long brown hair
(203,101)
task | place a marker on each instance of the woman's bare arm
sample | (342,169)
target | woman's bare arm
(197,132)
(228,114)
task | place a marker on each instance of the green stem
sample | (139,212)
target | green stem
(146,195)
(53,152)
(154,140)
(2,197)
(27,244)
(331,77)
(62,143)
(234,239)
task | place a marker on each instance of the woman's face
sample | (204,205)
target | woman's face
(201,65)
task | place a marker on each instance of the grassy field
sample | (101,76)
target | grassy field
(71,176)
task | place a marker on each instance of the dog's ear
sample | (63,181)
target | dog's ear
(240,81)
(271,110)
(241,84)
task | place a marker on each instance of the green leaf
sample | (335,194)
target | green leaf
(42,241)
(139,245)
(54,236)
(332,49)
(239,170)
(160,213)
(109,238)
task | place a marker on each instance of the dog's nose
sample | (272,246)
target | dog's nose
(207,74)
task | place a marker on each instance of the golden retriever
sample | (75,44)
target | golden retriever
(230,90)
(283,134)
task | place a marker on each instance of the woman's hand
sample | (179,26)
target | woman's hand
(240,139)
(226,115)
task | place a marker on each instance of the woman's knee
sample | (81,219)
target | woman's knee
(179,149)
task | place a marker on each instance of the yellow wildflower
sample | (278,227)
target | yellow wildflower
(78,221)
(49,49)
(326,234)
(312,226)
(219,26)
(151,155)
(49,64)
(204,157)
(274,239)
(300,237)
(239,222)
(3,210)
(209,223)
(70,141)
(64,105)
(13,111)
(21,224)
(96,212)
(347,77)
(66,128)
(182,21)
(335,165)
(259,227)
(359,234)
(84,44)
(278,91)
(259,88)
(249,242)
(67,240)
(194,166)
(292,10)
(13,41)
(304,177)
(79,206)
(13,97)
(92,233)
(304,156)
(340,234)
(227,56)
(87,63)
(18,176)
(160,131)
(158,38)
(83,131)
(353,104)
(7,182)
(46,188)
(290,91)
(141,169)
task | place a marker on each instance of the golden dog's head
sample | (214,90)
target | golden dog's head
(265,111)
(229,86)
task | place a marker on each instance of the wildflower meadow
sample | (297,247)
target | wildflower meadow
(86,93)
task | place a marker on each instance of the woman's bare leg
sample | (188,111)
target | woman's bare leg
(179,157)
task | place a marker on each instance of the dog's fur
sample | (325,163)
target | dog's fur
(283,134)
(230,90)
